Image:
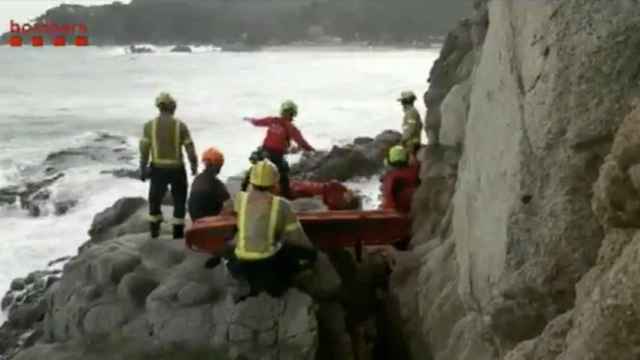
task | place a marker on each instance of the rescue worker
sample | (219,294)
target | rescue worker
(399,183)
(161,161)
(411,124)
(280,132)
(208,193)
(270,246)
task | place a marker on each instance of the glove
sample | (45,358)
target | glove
(247,119)
(144,172)
(294,150)
(194,169)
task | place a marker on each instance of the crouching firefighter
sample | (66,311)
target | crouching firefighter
(401,181)
(208,193)
(161,162)
(270,246)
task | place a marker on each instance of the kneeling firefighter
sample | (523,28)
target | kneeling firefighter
(161,147)
(401,181)
(270,244)
(280,132)
(208,193)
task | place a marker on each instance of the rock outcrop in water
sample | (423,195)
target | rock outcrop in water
(535,256)
(36,196)
(362,158)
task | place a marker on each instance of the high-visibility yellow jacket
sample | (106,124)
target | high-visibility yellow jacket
(162,142)
(411,128)
(265,223)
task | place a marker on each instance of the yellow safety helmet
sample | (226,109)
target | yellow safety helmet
(264,174)
(165,98)
(397,155)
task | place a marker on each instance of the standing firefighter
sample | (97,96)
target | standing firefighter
(280,132)
(270,244)
(161,146)
(411,123)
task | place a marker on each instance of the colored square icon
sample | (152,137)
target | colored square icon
(15,41)
(82,40)
(37,41)
(59,41)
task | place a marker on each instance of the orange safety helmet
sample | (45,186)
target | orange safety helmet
(213,156)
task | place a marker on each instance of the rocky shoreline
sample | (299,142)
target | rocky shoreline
(526,232)
(159,298)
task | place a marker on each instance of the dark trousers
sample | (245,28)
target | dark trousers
(275,274)
(283,168)
(161,179)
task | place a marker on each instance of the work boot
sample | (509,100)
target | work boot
(155,229)
(178,231)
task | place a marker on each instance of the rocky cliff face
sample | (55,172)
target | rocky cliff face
(531,257)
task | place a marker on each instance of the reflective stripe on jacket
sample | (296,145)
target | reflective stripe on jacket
(411,128)
(163,140)
(265,223)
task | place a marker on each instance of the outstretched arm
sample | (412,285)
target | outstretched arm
(262,121)
(296,135)
(145,150)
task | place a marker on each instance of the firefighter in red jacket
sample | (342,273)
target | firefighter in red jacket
(280,132)
(399,183)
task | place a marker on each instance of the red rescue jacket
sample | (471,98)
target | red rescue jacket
(279,134)
(398,187)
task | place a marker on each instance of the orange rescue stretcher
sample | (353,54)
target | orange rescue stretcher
(327,230)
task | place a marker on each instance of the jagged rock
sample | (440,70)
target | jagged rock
(32,195)
(362,159)
(181,49)
(35,195)
(148,292)
(63,207)
(117,214)
(18,284)
(454,109)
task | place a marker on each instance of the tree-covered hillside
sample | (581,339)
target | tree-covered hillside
(263,21)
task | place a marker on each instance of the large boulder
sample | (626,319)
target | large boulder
(144,294)
(107,223)
(363,158)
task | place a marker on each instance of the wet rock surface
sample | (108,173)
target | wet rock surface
(363,158)
(156,298)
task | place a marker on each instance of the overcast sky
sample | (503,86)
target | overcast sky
(25,10)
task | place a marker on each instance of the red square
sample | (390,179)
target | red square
(59,41)
(15,41)
(82,40)
(37,41)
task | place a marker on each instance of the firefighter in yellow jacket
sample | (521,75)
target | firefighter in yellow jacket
(161,161)
(411,123)
(270,244)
